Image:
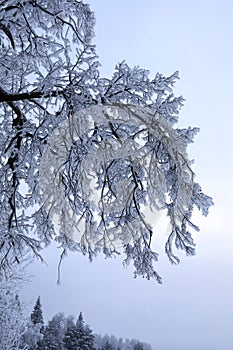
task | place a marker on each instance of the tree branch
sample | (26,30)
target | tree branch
(7,97)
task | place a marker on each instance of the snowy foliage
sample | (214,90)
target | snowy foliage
(78,336)
(12,322)
(66,333)
(112,342)
(85,151)
(37,314)
(54,334)
(31,337)
(34,330)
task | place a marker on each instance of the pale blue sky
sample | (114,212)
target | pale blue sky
(193,309)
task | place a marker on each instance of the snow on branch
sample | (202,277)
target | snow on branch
(99,170)
(84,157)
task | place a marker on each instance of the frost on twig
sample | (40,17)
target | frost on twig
(99,170)
(83,156)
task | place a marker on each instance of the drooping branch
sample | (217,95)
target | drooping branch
(91,153)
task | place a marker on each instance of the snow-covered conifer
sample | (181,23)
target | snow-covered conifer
(37,313)
(107,346)
(54,333)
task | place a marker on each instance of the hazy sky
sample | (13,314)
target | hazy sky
(193,309)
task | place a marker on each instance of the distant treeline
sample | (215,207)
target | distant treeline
(68,333)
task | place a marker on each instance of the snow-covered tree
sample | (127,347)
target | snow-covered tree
(53,334)
(70,340)
(37,313)
(35,325)
(118,344)
(82,156)
(32,336)
(138,346)
(85,338)
(12,321)
(79,336)
(107,346)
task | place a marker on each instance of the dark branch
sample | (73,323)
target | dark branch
(6,30)
(6,97)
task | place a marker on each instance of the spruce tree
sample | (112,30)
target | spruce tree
(53,334)
(107,346)
(138,346)
(79,336)
(34,333)
(37,314)
(85,336)
(70,338)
